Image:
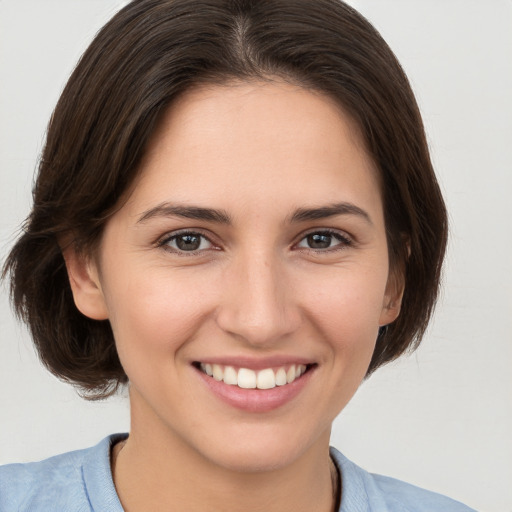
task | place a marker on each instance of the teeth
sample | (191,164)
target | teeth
(246,378)
(249,379)
(266,379)
(230,376)
(280,377)
(218,374)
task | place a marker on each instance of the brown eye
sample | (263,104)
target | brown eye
(319,241)
(324,240)
(187,242)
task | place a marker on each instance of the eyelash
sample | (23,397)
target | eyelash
(344,242)
(163,243)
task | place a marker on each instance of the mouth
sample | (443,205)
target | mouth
(256,386)
(246,378)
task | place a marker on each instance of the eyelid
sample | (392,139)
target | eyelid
(343,237)
(163,240)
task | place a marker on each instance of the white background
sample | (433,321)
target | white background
(441,418)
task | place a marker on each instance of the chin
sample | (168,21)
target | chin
(262,450)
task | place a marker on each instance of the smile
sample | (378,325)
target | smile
(246,378)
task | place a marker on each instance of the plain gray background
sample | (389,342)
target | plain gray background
(442,418)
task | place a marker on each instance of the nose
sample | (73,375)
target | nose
(257,305)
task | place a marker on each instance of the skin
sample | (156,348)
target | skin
(258,152)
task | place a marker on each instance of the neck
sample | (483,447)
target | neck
(155,470)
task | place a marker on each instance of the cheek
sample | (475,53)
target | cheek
(154,317)
(347,302)
(345,313)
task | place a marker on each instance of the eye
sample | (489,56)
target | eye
(322,240)
(186,242)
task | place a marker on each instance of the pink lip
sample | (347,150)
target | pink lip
(255,400)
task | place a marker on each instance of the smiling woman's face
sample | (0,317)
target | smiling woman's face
(252,246)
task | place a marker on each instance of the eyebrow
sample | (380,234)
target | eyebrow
(187,212)
(324,212)
(222,217)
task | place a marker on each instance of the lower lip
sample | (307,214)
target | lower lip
(256,400)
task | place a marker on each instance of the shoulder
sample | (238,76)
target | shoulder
(62,482)
(370,492)
(45,484)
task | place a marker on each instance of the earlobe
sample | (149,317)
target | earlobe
(392,300)
(85,284)
(390,312)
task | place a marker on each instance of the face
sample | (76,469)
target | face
(252,247)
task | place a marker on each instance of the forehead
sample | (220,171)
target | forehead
(297,115)
(236,139)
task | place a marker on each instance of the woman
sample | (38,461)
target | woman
(236,213)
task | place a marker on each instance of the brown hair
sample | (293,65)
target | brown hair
(148,54)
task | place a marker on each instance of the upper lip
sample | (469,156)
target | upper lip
(253,363)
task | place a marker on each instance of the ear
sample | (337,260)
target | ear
(85,284)
(392,302)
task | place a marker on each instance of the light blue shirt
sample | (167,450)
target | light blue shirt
(81,481)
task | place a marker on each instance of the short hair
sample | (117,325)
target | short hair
(147,55)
